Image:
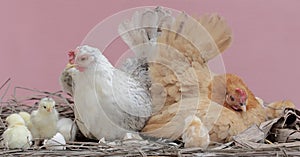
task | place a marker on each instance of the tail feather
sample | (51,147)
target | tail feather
(183,48)
(183,51)
(144,28)
(140,34)
(195,39)
(218,29)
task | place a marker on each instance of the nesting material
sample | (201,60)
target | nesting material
(139,147)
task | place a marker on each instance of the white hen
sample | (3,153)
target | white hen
(16,135)
(44,120)
(109,101)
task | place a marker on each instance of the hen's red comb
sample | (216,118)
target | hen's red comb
(242,93)
(71,57)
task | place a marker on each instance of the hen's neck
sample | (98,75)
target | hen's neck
(101,65)
(255,113)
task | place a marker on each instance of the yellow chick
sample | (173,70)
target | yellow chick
(43,122)
(16,135)
(67,128)
(195,133)
(25,116)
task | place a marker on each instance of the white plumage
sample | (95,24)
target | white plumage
(16,135)
(43,122)
(67,128)
(109,101)
(141,32)
(66,79)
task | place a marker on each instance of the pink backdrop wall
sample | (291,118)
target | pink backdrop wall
(35,36)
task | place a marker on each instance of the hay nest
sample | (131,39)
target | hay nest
(25,99)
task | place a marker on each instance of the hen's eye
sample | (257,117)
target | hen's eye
(83,58)
(231,98)
(45,107)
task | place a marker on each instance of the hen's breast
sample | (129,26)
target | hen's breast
(110,104)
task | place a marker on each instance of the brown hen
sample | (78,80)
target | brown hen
(181,83)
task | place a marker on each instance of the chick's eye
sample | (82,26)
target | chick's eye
(231,98)
(45,107)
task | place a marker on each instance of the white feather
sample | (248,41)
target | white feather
(66,79)
(109,102)
(141,32)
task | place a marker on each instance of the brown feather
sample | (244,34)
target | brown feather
(180,68)
(275,109)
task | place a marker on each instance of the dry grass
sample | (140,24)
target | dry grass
(27,101)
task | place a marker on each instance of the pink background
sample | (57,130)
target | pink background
(35,36)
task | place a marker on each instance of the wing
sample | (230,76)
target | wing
(66,79)
(100,104)
(130,95)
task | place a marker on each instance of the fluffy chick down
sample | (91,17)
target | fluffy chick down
(195,133)
(43,122)
(16,135)
(26,117)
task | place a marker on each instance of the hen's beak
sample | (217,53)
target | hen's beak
(69,66)
(243,108)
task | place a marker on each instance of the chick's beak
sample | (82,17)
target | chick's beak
(49,110)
